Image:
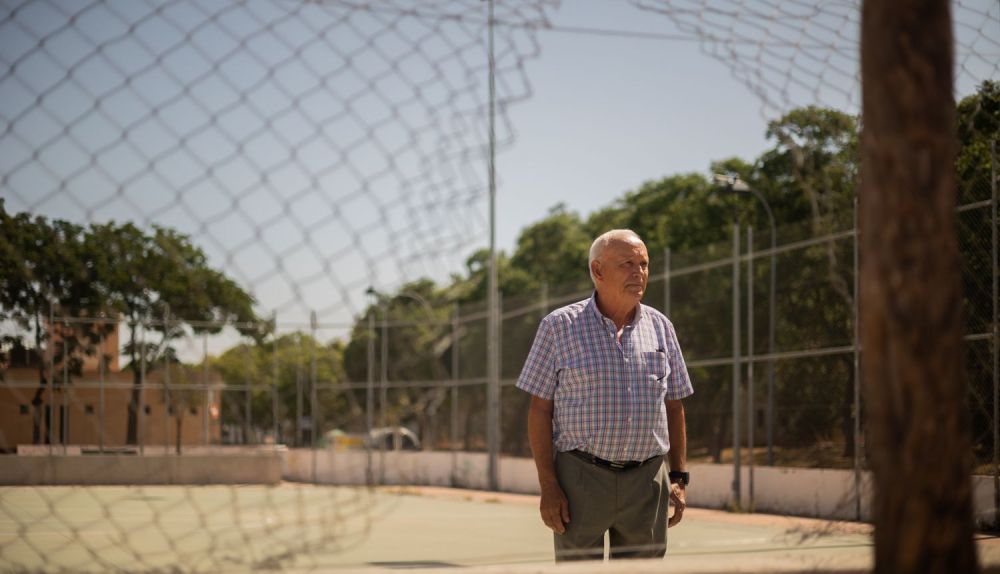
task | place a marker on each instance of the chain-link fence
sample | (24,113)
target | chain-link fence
(198,197)
(418,363)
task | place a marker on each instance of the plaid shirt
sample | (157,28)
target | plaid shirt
(608,395)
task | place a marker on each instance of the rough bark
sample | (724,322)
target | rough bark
(920,447)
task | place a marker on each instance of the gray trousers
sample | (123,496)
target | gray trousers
(630,505)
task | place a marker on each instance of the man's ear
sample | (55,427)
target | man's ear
(595,268)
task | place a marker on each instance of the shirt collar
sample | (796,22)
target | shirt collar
(592,305)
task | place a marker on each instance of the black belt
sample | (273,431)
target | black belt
(586,456)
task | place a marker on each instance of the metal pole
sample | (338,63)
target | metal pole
(299,408)
(736,366)
(370,396)
(455,325)
(248,395)
(142,388)
(51,347)
(100,402)
(499,387)
(205,411)
(771,326)
(996,340)
(166,386)
(383,392)
(750,406)
(313,394)
(63,410)
(277,377)
(666,282)
(857,367)
(493,358)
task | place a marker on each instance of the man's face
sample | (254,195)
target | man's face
(622,271)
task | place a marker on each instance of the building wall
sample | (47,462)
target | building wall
(82,405)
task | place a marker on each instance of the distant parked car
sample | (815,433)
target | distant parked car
(388,438)
(393,438)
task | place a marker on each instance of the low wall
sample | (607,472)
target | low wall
(261,468)
(819,493)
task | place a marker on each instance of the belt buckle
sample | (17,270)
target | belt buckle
(616,465)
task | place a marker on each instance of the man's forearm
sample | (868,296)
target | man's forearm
(540,439)
(677,428)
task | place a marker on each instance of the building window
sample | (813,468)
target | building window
(89,409)
(25,410)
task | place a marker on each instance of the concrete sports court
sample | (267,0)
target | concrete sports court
(310,528)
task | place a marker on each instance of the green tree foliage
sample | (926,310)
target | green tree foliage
(978,131)
(153,280)
(414,324)
(45,269)
(551,252)
(812,170)
(280,373)
(161,283)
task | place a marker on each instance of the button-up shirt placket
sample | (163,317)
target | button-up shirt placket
(626,366)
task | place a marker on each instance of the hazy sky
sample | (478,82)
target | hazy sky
(313,149)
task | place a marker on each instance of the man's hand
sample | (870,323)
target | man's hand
(554,508)
(677,500)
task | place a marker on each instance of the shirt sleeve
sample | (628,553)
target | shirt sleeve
(678,381)
(538,376)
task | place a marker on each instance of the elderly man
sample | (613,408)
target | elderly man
(607,377)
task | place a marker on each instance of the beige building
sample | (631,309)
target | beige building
(91,410)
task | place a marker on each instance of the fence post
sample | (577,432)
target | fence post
(383,391)
(857,368)
(996,341)
(298,392)
(166,384)
(313,395)
(751,419)
(666,281)
(206,434)
(495,473)
(141,426)
(51,352)
(274,388)
(248,394)
(370,394)
(64,407)
(737,492)
(455,325)
(100,382)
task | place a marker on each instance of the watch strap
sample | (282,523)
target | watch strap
(680,476)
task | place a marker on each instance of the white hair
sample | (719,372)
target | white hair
(605,239)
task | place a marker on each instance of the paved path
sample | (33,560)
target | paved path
(311,528)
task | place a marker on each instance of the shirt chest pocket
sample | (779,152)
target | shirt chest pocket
(654,366)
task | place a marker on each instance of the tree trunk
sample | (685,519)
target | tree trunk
(37,402)
(132,430)
(911,322)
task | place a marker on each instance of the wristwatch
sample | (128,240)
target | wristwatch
(681,476)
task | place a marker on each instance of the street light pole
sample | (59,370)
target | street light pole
(737,185)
